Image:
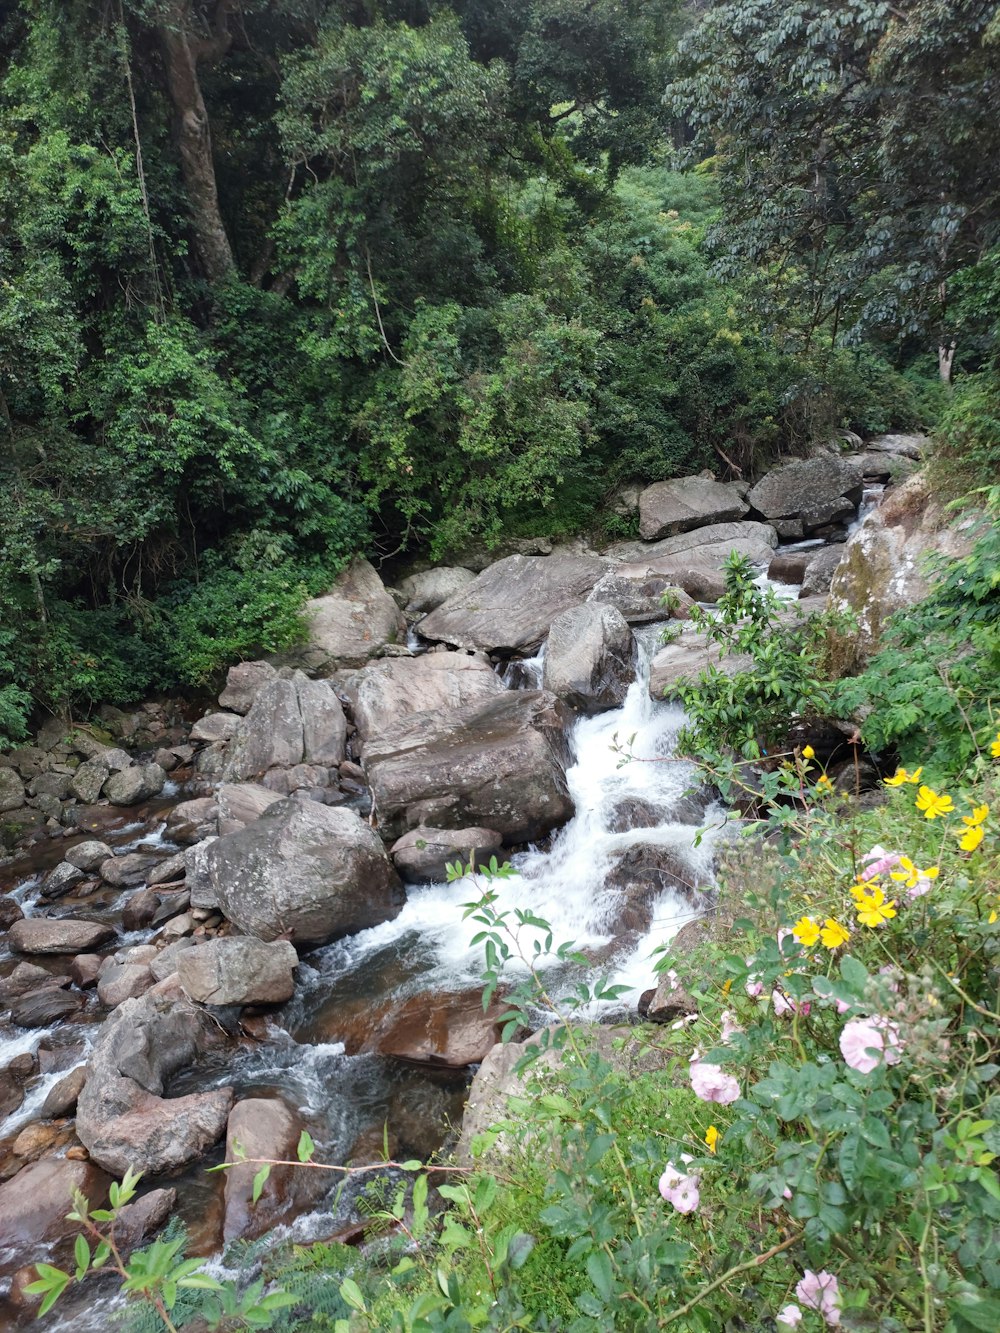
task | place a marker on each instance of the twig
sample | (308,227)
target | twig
(745,1267)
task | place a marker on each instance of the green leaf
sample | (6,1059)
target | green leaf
(600,1272)
(350,1294)
(81,1253)
(306,1147)
(259,1181)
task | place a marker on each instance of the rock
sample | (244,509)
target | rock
(88,855)
(788,529)
(669,507)
(265,1127)
(498,763)
(215,727)
(34,1205)
(177,927)
(168,761)
(788,568)
(882,566)
(116,760)
(590,658)
(128,871)
(803,485)
(308,872)
(906,446)
(238,970)
(291,722)
(39,934)
(191,821)
(425,592)
(37,1140)
(27,977)
(324,727)
(820,571)
(123,981)
(151,906)
(40,1008)
(694,561)
(10,911)
(352,622)
(447,1031)
(241,803)
(122,1117)
(642,875)
(243,683)
(11,790)
(85,968)
(135,784)
(55,785)
(423,855)
(384,692)
(61,880)
(88,780)
(62,1096)
(166,961)
(818,516)
(687,658)
(302,777)
(139,1220)
(508,609)
(167,871)
(638,594)
(198,878)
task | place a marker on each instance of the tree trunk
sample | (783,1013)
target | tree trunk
(181,52)
(946,355)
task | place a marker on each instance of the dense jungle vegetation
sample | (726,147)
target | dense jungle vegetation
(285,280)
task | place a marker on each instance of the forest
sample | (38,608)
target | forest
(287,280)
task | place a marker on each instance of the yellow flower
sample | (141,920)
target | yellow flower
(806,931)
(875,911)
(833,934)
(995,747)
(978,816)
(900,776)
(824,785)
(808,752)
(971,838)
(712,1137)
(993,917)
(910,874)
(863,889)
(932,804)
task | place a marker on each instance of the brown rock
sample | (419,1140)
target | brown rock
(42,935)
(34,1205)
(62,1096)
(266,1128)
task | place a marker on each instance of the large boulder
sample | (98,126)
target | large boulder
(883,567)
(135,784)
(639,595)
(423,855)
(912,447)
(819,571)
(123,1118)
(351,622)
(669,507)
(89,854)
(497,763)
(383,692)
(800,487)
(291,722)
(240,803)
(41,934)
(35,1202)
(426,591)
(685,659)
(508,609)
(238,969)
(11,790)
(590,658)
(215,727)
(694,561)
(88,780)
(243,683)
(265,1127)
(305,872)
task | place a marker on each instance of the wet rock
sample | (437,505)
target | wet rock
(266,1128)
(423,1116)
(441,1029)
(88,855)
(820,571)
(496,764)
(238,969)
(190,821)
(789,568)
(166,872)
(167,760)
(642,875)
(151,906)
(62,1096)
(670,507)
(304,871)
(803,485)
(84,969)
(36,1140)
(34,1205)
(123,1118)
(423,855)
(141,1219)
(384,692)
(42,935)
(40,1008)
(240,803)
(243,683)
(590,658)
(10,911)
(215,727)
(639,595)
(352,622)
(128,871)
(425,592)
(123,981)
(135,784)
(508,609)
(89,779)
(11,790)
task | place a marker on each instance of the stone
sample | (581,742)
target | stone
(694,561)
(134,784)
(88,855)
(324,727)
(422,856)
(62,1097)
(352,622)
(43,935)
(685,659)
(122,1117)
(128,871)
(40,1008)
(85,968)
(50,784)
(166,961)
(796,487)
(168,761)
(827,512)
(265,1127)
(291,722)
(820,570)
(116,760)
(35,1202)
(788,568)
(508,608)
(11,790)
(89,779)
(425,592)
(441,1029)
(198,876)
(638,594)
(669,507)
(139,1220)
(37,1140)
(307,872)
(243,683)
(165,872)
(788,529)
(10,911)
(123,981)
(590,658)
(240,803)
(61,880)
(215,727)
(153,905)
(642,874)
(238,969)
(308,777)
(384,692)
(498,764)
(177,927)
(906,446)
(191,821)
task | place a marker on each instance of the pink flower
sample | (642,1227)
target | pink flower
(680,1189)
(866,1042)
(878,862)
(789,1317)
(784,1005)
(820,1291)
(729,1026)
(754,986)
(711,1084)
(842,1006)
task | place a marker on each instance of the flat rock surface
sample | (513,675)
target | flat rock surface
(669,507)
(38,934)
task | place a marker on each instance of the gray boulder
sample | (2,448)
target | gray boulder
(324,727)
(291,722)
(238,969)
(352,622)
(305,872)
(11,790)
(62,879)
(905,446)
(423,855)
(386,691)
(63,1096)
(40,934)
(508,609)
(123,981)
(638,594)
(243,683)
(215,727)
(669,507)
(198,876)
(590,658)
(88,855)
(132,785)
(240,803)
(497,763)
(88,780)
(190,821)
(685,659)
(128,871)
(819,572)
(803,485)
(694,561)
(425,592)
